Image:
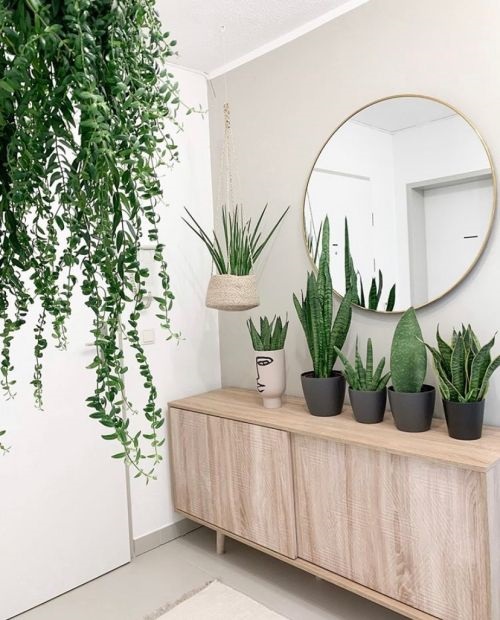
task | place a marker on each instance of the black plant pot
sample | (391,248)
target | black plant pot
(412,411)
(368,407)
(464,420)
(324,397)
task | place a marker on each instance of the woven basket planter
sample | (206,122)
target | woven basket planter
(233,293)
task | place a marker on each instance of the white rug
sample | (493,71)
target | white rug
(217,602)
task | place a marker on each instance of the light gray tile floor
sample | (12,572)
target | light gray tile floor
(167,573)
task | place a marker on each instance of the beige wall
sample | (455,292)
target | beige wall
(286,103)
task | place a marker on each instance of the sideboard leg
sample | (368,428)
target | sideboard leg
(220,542)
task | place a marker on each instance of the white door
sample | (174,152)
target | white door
(457,217)
(63,500)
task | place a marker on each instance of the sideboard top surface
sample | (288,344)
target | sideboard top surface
(246,406)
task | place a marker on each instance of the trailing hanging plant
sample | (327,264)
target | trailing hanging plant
(86,110)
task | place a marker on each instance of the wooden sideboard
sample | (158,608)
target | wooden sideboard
(409,521)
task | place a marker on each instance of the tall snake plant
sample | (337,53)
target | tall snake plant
(324,331)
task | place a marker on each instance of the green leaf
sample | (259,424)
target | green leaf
(445,351)
(382,383)
(480,364)
(7,86)
(360,370)
(351,374)
(378,372)
(369,363)
(408,355)
(391,300)
(373,295)
(486,379)
(458,365)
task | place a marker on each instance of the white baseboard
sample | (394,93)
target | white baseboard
(164,535)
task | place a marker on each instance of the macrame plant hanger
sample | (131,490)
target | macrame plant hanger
(230,292)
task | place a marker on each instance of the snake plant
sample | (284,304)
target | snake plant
(324,332)
(242,242)
(363,377)
(272,334)
(463,367)
(408,355)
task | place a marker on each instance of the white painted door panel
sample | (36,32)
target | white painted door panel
(63,500)
(456,222)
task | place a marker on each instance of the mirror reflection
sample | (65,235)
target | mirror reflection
(414,183)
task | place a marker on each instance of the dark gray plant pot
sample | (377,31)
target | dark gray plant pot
(464,420)
(412,412)
(324,397)
(368,407)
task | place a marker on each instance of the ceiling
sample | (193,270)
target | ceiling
(401,113)
(252,27)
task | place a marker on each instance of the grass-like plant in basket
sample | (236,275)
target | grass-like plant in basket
(234,255)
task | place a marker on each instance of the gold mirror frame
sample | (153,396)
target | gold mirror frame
(493,209)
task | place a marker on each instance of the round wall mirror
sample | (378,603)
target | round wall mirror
(410,184)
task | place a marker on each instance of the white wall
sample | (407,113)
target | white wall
(284,106)
(192,365)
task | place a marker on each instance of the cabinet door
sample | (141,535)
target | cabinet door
(408,528)
(236,476)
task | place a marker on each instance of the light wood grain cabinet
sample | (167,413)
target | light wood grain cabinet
(408,528)
(411,522)
(236,476)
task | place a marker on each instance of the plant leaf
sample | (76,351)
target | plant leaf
(408,355)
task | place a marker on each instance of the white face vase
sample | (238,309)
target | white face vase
(271,376)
